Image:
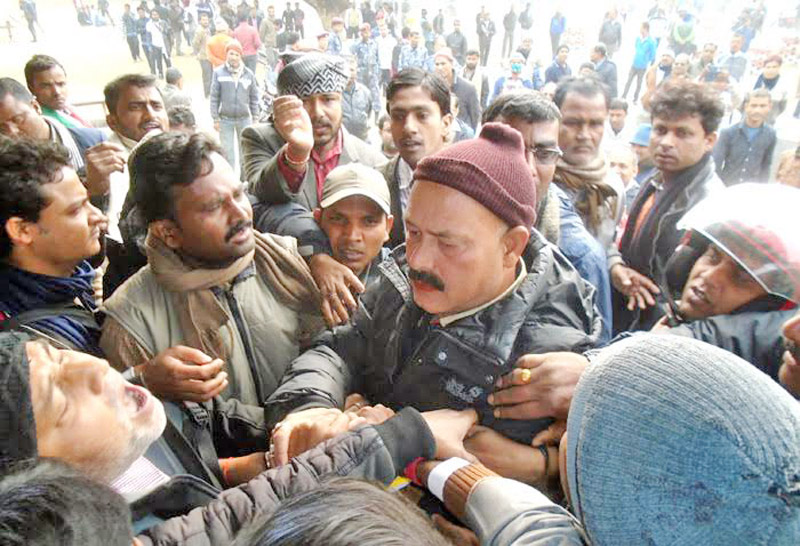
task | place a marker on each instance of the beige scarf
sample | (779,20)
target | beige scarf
(201,315)
(589,179)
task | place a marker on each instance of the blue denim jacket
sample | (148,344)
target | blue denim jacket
(587,256)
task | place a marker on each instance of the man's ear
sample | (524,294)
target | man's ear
(514,242)
(709,141)
(446,121)
(36,106)
(111,121)
(318,215)
(389,226)
(169,232)
(20,232)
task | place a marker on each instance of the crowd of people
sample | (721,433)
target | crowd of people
(401,293)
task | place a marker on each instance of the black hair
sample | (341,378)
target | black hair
(524,105)
(601,48)
(618,104)
(181,115)
(164,161)
(39,63)
(472,52)
(25,166)
(433,84)
(114,88)
(344,512)
(45,502)
(10,86)
(173,75)
(582,85)
(761,92)
(292,38)
(679,267)
(675,100)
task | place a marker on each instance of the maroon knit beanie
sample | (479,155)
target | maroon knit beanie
(491,169)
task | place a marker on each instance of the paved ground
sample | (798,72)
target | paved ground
(93,56)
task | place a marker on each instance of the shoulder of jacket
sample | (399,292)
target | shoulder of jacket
(139,287)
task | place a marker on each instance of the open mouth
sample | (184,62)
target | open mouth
(241,236)
(410,144)
(138,395)
(351,255)
(152,126)
(699,296)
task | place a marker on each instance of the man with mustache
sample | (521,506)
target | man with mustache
(212,284)
(471,291)
(583,172)
(135,108)
(287,159)
(685,117)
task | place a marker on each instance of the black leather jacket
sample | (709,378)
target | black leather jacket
(443,367)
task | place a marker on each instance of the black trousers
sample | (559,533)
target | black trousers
(133,45)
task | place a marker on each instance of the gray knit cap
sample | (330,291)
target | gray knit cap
(313,74)
(673,441)
(17,427)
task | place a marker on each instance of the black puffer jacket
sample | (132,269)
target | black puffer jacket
(754,336)
(373,453)
(445,367)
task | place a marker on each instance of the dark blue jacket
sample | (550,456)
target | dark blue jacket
(86,137)
(740,160)
(555,72)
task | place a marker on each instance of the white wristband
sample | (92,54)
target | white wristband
(439,475)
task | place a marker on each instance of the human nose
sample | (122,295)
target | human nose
(313,109)
(714,276)
(96,216)
(410,125)
(89,372)
(667,140)
(419,255)
(583,132)
(10,130)
(353,232)
(240,209)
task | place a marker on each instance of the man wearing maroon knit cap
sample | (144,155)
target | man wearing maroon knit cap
(471,292)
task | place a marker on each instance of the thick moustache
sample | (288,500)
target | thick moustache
(238,228)
(423,277)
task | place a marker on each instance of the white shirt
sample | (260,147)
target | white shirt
(385,48)
(157,38)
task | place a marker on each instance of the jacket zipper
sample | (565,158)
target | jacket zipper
(241,328)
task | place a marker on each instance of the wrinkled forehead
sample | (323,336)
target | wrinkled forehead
(42,358)
(442,210)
